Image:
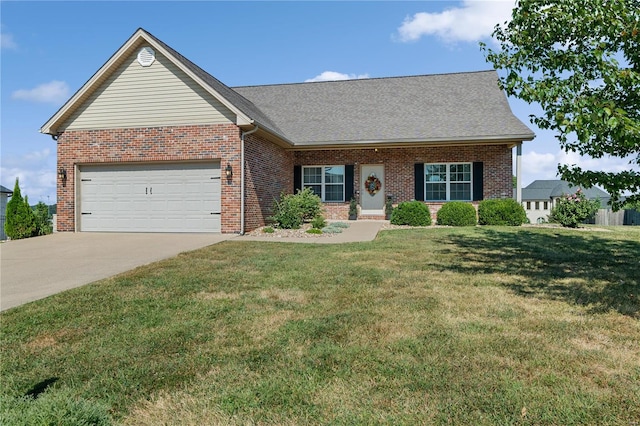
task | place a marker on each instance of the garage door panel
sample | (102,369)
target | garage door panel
(150,198)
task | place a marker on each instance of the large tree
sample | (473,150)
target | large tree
(580,60)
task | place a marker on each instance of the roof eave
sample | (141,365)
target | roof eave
(511,140)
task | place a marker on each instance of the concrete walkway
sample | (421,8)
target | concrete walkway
(35,268)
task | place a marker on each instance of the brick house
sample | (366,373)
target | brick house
(153,143)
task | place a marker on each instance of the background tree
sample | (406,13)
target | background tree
(580,60)
(20,222)
(42,219)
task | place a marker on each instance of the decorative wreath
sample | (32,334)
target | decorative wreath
(372,184)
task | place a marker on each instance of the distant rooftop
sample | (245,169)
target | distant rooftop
(546,189)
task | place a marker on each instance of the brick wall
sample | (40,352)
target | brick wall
(269,168)
(399,168)
(269,172)
(179,143)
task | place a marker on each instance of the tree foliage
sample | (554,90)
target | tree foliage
(573,209)
(20,222)
(580,60)
(42,219)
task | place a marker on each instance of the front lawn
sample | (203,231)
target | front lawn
(481,325)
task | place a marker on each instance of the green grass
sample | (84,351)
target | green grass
(484,325)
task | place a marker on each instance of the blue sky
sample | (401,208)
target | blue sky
(50,49)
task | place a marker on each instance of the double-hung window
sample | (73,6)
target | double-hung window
(326,181)
(448,181)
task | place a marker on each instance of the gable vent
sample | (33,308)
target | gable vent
(146,56)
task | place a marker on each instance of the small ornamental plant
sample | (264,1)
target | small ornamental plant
(572,209)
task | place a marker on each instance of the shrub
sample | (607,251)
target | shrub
(314,231)
(353,209)
(21,221)
(504,211)
(457,213)
(268,230)
(293,209)
(310,204)
(412,213)
(332,230)
(571,210)
(318,222)
(42,219)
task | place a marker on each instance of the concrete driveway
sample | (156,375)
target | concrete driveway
(35,268)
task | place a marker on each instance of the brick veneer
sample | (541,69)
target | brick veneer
(269,168)
(152,144)
(399,168)
(269,172)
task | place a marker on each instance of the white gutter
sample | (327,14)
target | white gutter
(255,129)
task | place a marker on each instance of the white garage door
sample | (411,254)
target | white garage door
(150,198)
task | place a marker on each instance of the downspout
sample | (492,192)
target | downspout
(255,129)
(519,173)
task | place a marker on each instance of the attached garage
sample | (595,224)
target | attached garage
(160,197)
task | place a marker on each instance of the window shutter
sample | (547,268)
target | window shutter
(478,181)
(297,178)
(419,181)
(348,182)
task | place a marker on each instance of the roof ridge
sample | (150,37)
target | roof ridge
(351,80)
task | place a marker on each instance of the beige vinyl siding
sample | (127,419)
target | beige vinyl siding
(158,95)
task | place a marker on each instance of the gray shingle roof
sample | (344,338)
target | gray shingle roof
(545,189)
(428,108)
(5,190)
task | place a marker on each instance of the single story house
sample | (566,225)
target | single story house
(151,142)
(5,193)
(539,197)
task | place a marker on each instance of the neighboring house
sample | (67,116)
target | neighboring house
(152,142)
(542,195)
(5,193)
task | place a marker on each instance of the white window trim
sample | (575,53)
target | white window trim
(448,182)
(323,183)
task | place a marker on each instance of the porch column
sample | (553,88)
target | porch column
(519,173)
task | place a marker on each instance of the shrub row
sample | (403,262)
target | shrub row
(505,211)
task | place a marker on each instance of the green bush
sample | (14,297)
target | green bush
(457,213)
(21,221)
(291,210)
(53,407)
(42,219)
(412,213)
(309,203)
(318,222)
(571,210)
(314,231)
(504,211)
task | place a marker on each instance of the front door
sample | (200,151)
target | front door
(372,189)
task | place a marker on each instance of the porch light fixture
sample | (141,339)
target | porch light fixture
(62,174)
(228,171)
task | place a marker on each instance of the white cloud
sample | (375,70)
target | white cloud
(545,165)
(36,172)
(473,21)
(53,92)
(333,76)
(7,42)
